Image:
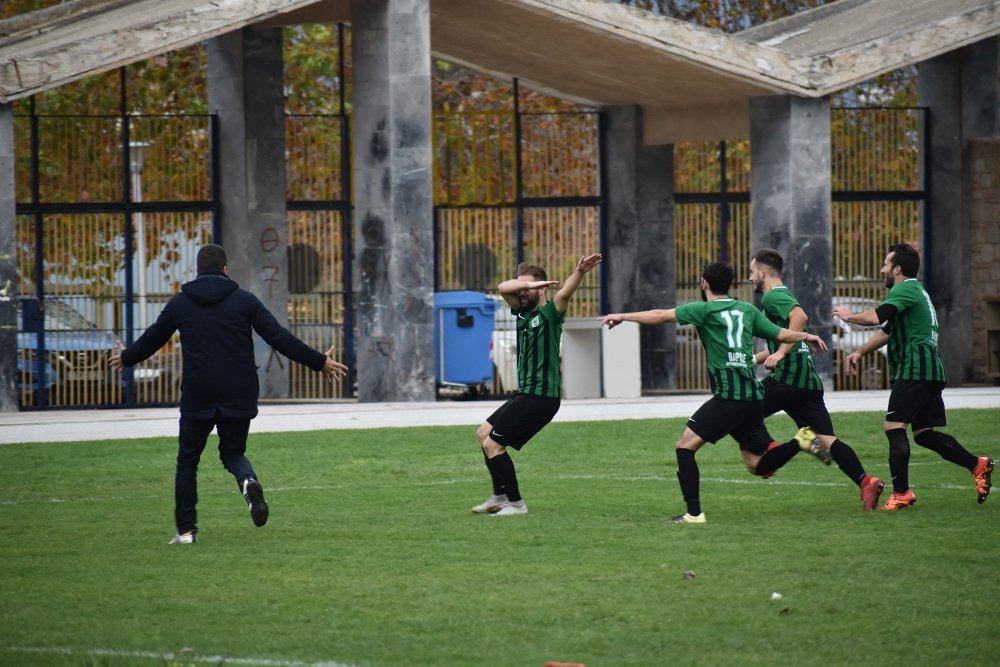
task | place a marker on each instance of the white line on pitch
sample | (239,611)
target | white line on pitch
(168,655)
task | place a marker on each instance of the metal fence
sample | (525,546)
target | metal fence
(878,199)
(111,210)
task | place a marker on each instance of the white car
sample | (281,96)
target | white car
(874,368)
(503,345)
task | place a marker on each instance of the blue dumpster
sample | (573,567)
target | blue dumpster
(463,329)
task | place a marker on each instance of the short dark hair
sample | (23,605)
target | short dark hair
(770,258)
(719,276)
(533,270)
(211,258)
(906,258)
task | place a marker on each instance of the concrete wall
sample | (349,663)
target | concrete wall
(960,91)
(393,205)
(790,204)
(985,260)
(245,74)
(640,236)
(8,264)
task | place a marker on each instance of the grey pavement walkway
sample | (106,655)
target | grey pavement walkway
(74,425)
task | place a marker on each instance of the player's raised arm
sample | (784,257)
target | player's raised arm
(585,265)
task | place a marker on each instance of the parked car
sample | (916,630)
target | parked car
(76,350)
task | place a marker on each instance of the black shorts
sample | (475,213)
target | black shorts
(806,407)
(520,418)
(743,420)
(917,403)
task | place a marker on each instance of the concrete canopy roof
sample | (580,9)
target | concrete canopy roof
(692,83)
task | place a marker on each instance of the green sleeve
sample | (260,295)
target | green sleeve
(762,327)
(902,296)
(778,303)
(690,313)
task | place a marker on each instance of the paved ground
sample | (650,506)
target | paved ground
(65,425)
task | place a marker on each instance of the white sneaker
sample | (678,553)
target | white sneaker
(184,538)
(508,509)
(686,519)
(491,504)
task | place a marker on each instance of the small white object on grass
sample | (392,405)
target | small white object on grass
(776,595)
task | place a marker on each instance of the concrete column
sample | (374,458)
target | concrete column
(639,185)
(245,73)
(8,264)
(960,91)
(790,202)
(393,208)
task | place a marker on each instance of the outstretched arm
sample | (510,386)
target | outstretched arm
(570,284)
(814,342)
(869,318)
(152,339)
(658,316)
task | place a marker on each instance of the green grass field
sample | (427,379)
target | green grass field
(372,558)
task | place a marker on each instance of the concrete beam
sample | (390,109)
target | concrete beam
(116,34)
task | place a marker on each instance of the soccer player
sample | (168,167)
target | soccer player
(793,385)
(539,378)
(726,328)
(910,328)
(219,386)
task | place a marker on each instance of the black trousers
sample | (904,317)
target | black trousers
(193,436)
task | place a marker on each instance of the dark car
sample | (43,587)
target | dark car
(76,350)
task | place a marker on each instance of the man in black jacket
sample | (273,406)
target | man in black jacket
(219,385)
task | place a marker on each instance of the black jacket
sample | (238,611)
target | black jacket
(215,318)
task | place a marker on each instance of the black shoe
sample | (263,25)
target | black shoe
(253,492)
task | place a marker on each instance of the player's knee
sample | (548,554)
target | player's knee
(493,448)
(483,432)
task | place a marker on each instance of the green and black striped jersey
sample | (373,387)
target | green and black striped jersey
(796,369)
(726,328)
(913,334)
(538,334)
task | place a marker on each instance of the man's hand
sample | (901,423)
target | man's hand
(587,263)
(851,363)
(772,361)
(611,321)
(843,312)
(333,370)
(115,360)
(815,343)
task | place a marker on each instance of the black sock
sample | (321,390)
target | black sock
(493,477)
(690,480)
(847,460)
(776,457)
(948,447)
(502,469)
(899,459)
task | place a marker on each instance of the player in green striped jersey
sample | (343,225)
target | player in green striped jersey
(910,328)
(539,378)
(726,328)
(793,385)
